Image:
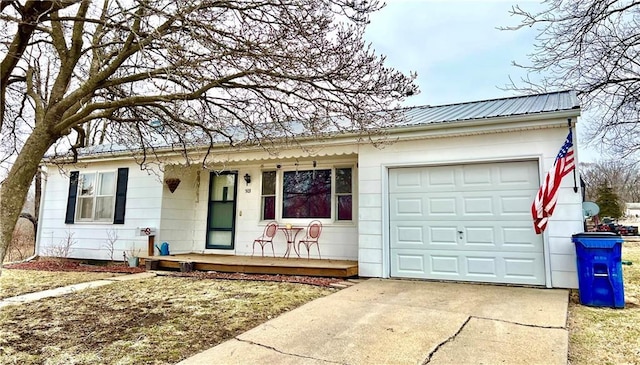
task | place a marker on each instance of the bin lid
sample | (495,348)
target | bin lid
(596,235)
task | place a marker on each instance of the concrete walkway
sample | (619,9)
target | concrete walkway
(409,322)
(57,292)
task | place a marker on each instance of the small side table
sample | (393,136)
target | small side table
(290,234)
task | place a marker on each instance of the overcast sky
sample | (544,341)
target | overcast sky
(455,48)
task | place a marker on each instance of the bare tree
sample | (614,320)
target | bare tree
(591,46)
(623,178)
(149,73)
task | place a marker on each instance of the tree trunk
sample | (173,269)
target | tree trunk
(13,191)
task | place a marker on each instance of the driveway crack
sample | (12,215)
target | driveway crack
(287,353)
(451,338)
(520,324)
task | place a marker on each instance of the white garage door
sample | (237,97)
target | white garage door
(465,222)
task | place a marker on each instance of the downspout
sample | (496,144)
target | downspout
(40,211)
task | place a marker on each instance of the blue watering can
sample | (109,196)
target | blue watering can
(163,249)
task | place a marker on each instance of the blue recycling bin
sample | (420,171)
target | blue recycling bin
(599,259)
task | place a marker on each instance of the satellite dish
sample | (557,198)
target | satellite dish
(589,209)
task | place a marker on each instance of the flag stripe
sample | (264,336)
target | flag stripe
(545,201)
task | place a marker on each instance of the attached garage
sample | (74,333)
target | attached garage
(468,222)
(450,198)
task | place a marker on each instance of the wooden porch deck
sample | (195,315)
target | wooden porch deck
(258,264)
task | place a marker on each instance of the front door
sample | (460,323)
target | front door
(222,210)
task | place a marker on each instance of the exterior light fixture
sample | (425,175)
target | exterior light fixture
(247,178)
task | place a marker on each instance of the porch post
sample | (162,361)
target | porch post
(150,245)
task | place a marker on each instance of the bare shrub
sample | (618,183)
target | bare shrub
(63,248)
(110,242)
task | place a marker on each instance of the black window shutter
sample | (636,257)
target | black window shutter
(71,200)
(121,195)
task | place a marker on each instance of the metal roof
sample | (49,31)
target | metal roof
(413,116)
(505,107)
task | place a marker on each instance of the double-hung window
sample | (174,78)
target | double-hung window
(344,195)
(314,194)
(268,195)
(96,197)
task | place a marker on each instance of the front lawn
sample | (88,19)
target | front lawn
(154,321)
(18,282)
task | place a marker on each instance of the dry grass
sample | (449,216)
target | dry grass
(22,243)
(155,321)
(17,282)
(605,335)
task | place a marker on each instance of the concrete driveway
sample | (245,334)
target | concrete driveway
(409,322)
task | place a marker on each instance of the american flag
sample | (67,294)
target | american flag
(545,201)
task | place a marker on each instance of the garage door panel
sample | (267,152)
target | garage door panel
(485,267)
(444,265)
(407,207)
(522,267)
(466,222)
(422,235)
(516,205)
(485,236)
(510,236)
(478,205)
(509,205)
(515,237)
(406,179)
(472,266)
(442,235)
(440,178)
(410,264)
(472,177)
(475,177)
(518,175)
(410,235)
(442,207)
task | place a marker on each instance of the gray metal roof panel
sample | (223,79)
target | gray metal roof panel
(414,116)
(505,107)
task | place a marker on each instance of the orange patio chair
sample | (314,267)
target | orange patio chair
(313,234)
(267,237)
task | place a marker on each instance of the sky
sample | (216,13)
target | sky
(456,49)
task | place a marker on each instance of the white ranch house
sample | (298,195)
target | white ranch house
(449,199)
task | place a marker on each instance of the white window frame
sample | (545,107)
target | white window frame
(94,197)
(334,201)
(335,195)
(263,196)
